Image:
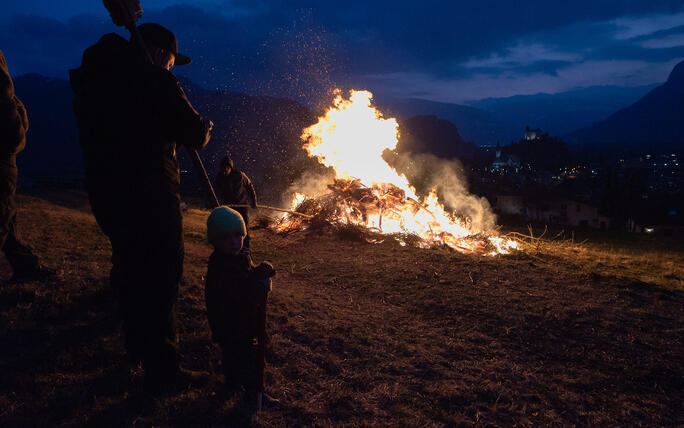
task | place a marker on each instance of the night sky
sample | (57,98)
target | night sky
(452,51)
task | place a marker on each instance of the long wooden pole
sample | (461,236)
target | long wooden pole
(266,207)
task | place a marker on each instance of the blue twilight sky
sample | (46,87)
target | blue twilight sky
(451,51)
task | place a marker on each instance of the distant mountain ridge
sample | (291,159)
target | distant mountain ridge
(562,112)
(429,134)
(656,121)
(474,125)
(492,120)
(263,133)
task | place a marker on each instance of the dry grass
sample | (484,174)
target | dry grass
(364,334)
(652,259)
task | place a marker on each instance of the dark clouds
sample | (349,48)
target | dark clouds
(45,45)
(445,50)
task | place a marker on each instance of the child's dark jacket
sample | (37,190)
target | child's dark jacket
(233,293)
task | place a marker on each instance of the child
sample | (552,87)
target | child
(235,293)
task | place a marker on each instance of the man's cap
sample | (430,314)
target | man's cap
(157,35)
(224,220)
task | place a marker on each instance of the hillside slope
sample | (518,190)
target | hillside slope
(362,334)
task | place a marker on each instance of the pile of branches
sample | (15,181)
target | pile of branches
(348,202)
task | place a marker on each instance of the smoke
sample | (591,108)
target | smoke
(426,172)
(312,183)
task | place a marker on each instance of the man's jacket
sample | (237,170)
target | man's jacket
(13,119)
(132,116)
(235,188)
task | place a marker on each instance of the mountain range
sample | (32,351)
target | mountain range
(263,133)
(655,122)
(647,117)
(564,112)
(474,124)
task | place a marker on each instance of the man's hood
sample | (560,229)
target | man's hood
(233,173)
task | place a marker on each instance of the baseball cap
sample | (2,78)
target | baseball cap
(157,35)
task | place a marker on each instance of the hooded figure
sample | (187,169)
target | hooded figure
(132,115)
(13,127)
(233,187)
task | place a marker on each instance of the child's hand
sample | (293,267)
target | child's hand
(264,270)
(267,285)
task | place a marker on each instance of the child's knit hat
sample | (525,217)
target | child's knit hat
(224,220)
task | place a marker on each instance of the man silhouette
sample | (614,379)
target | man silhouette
(132,115)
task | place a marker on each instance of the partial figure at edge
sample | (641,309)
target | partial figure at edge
(13,127)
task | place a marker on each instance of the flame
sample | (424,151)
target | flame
(351,138)
(297,199)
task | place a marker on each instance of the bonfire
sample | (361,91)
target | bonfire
(368,193)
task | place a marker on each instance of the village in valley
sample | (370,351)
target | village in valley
(540,179)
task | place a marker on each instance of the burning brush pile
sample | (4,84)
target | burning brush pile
(368,194)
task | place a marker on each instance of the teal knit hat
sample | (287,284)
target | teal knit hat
(224,220)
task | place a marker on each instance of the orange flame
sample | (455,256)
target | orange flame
(350,138)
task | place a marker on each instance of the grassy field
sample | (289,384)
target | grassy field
(560,333)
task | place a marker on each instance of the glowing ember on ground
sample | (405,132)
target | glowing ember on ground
(368,192)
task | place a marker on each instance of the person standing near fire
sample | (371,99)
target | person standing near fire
(233,187)
(13,127)
(132,114)
(236,292)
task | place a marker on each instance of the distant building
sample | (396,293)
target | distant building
(580,214)
(510,204)
(532,134)
(568,212)
(557,211)
(511,162)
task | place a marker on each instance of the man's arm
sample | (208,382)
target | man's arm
(13,119)
(21,111)
(251,192)
(189,128)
